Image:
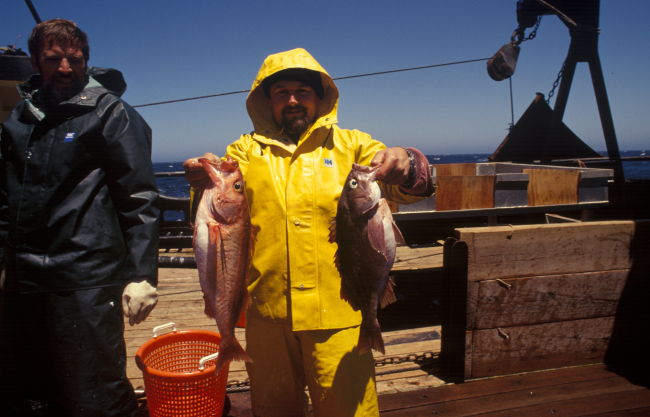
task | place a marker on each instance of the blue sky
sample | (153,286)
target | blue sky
(171,50)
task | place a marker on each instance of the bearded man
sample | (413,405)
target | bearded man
(79,222)
(298,330)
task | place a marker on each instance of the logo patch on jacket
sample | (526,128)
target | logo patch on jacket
(328,162)
(68,137)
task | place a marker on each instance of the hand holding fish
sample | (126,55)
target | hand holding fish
(195,174)
(394,165)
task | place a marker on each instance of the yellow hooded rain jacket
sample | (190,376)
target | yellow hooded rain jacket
(293,192)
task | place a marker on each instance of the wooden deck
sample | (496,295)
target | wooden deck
(181,301)
(584,390)
(589,390)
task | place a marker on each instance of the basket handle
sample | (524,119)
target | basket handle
(205,359)
(163,326)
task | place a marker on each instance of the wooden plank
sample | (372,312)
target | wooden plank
(472,305)
(636,412)
(548,298)
(469,341)
(464,192)
(417,258)
(495,404)
(494,386)
(408,384)
(455,169)
(408,348)
(620,402)
(552,186)
(433,334)
(541,346)
(553,249)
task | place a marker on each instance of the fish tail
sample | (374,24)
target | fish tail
(370,338)
(230,350)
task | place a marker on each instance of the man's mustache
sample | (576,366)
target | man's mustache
(292,108)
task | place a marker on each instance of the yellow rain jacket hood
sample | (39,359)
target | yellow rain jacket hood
(293,192)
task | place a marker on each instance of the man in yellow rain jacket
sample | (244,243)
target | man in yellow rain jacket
(299,332)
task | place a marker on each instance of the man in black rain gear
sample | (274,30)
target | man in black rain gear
(79,222)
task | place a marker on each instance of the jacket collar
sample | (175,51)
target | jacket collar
(100,81)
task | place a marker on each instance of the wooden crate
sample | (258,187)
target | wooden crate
(525,298)
(486,185)
(464,192)
(558,185)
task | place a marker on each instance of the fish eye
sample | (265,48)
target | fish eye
(353,183)
(239,187)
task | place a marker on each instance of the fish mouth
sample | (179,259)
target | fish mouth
(229,165)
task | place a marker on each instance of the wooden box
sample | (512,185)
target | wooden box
(555,184)
(486,185)
(525,298)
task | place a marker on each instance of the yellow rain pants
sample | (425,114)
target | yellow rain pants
(341,382)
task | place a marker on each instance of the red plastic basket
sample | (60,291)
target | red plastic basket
(173,381)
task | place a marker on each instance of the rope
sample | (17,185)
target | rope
(339,78)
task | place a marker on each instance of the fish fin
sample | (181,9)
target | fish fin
(388,296)
(332,235)
(376,235)
(214,231)
(399,239)
(337,262)
(344,297)
(230,350)
(370,338)
(208,308)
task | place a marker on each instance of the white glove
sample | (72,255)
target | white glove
(138,299)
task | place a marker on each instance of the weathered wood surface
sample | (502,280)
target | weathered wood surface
(532,250)
(548,298)
(418,257)
(455,169)
(584,390)
(540,346)
(464,192)
(552,186)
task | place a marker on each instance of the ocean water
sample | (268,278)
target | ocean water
(179,187)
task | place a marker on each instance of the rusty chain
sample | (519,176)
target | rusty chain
(235,385)
(557,81)
(395,360)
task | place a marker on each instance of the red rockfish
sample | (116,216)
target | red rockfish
(223,247)
(366,237)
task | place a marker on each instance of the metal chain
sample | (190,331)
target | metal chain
(534,32)
(426,356)
(235,385)
(557,81)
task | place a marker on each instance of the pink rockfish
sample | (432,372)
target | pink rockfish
(366,237)
(223,247)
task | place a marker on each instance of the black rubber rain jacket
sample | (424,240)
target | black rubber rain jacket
(79,196)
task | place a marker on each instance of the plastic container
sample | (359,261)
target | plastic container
(180,377)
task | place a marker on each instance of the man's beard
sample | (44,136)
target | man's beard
(59,96)
(297,125)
